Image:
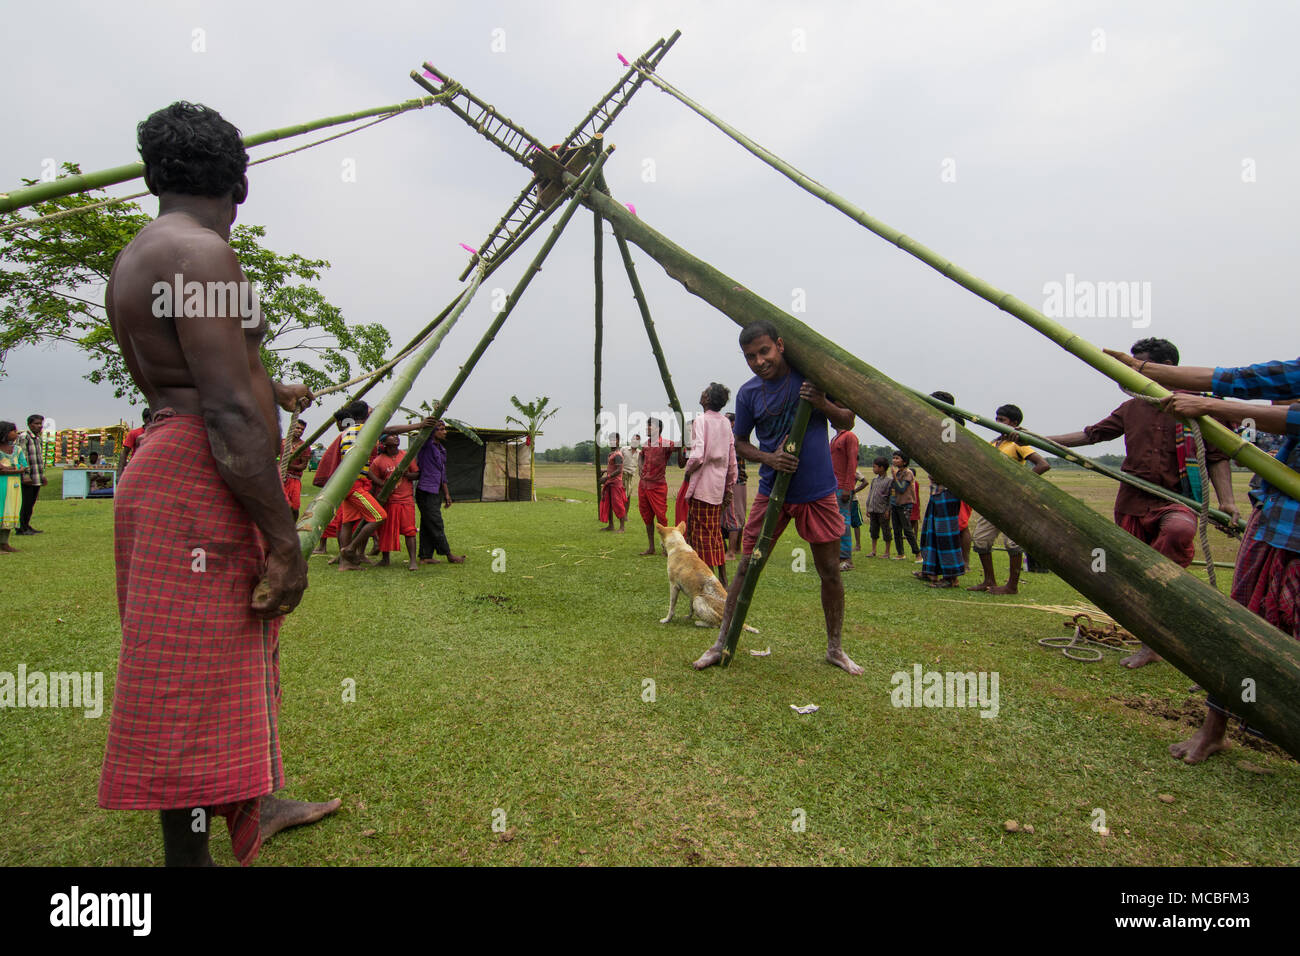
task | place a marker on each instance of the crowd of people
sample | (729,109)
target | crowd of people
(194,719)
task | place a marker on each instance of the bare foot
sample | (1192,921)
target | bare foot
(319,551)
(846,565)
(430,561)
(938,583)
(349,562)
(710,657)
(840,659)
(276,815)
(983,586)
(651,551)
(610,528)
(8,549)
(1141,659)
(1206,742)
(384,562)
(1004,589)
(455,559)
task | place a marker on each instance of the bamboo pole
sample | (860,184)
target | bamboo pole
(322,508)
(492,267)
(18,198)
(1046,444)
(1217,642)
(599,225)
(763,546)
(419,438)
(1214,432)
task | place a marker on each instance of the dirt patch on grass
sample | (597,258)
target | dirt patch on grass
(1190,713)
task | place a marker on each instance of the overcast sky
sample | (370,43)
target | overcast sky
(1153,143)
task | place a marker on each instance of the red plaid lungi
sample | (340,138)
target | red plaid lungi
(613,498)
(653,502)
(195,707)
(399,524)
(360,505)
(1169,528)
(1267,581)
(293,491)
(704,532)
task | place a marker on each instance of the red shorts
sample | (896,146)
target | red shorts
(816,521)
(653,502)
(360,504)
(399,524)
(293,491)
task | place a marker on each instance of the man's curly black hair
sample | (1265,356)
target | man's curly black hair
(188,148)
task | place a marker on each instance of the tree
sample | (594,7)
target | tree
(53,274)
(536,415)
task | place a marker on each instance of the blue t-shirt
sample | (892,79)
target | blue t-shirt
(767,408)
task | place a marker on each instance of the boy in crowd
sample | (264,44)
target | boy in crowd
(878,503)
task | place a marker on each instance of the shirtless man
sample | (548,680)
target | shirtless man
(200,624)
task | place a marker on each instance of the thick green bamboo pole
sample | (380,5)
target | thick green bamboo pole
(322,508)
(26,196)
(419,438)
(599,225)
(763,546)
(1051,447)
(1214,432)
(1217,642)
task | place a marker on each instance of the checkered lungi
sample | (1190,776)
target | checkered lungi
(195,707)
(734,519)
(941,537)
(704,532)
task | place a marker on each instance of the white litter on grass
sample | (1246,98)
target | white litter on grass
(805,709)
(761,653)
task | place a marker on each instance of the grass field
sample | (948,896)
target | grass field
(520,696)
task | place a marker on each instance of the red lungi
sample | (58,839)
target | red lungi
(399,524)
(613,498)
(360,505)
(1169,529)
(653,502)
(1267,581)
(816,521)
(293,491)
(194,713)
(704,532)
(682,506)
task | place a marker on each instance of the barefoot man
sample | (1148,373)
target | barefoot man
(200,515)
(1156,448)
(1267,576)
(766,405)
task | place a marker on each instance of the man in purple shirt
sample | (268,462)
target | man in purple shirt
(431,496)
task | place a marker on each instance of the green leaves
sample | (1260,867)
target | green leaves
(53,276)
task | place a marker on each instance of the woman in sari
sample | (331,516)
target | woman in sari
(12,461)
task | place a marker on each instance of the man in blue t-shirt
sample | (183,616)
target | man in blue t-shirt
(766,405)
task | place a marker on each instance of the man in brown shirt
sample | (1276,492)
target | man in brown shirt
(1151,452)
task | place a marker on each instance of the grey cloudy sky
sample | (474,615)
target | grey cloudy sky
(1152,143)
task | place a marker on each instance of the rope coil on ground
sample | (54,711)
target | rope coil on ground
(1090,639)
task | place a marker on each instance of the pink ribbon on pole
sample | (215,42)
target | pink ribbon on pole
(630,208)
(470,249)
(622,59)
(433,76)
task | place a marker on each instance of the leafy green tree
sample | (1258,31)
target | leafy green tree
(53,274)
(535,415)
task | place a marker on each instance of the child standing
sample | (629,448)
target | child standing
(878,503)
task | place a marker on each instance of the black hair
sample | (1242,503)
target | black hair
(659,425)
(1160,351)
(882,461)
(302,423)
(6,428)
(756,330)
(188,148)
(906,461)
(615,436)
(33,417)
(715,396)
(944,397)
(358,411)
(146,415)
(1011,412)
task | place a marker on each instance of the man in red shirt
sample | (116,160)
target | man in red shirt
(652,493)
(132,440)
(1152,441)
(844,462)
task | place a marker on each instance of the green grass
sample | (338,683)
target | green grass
(522,690)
